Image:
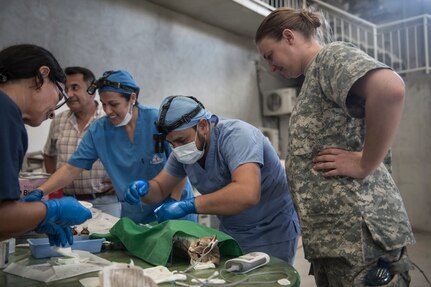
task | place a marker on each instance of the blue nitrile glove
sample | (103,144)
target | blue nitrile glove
(65,212)
(57,235)
(34,195)
(136,190)
(176,209)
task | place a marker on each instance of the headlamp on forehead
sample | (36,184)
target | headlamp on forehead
(163,128)
(103,82)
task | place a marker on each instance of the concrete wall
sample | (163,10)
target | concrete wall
(412,151)
(167,53)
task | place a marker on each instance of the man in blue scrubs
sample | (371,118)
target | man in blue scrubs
(236,170)
(127,143)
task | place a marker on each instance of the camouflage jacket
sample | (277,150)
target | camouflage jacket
(333,210)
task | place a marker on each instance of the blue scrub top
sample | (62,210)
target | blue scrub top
(233,143)
(125,161)
(13,146)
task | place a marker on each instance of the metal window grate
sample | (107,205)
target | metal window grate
(402,45)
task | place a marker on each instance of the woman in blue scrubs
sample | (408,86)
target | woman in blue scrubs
(236,170)
(127,143)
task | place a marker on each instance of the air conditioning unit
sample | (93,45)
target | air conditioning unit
(279,102)
(272,136)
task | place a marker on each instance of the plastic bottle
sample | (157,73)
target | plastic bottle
(4,253)
(379,275)
(12,243)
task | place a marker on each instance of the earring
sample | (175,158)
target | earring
(3,78)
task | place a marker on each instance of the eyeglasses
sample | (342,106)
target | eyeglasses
(62,96)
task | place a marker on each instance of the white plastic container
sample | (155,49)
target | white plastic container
(40,247)
(4,253)
(12,243)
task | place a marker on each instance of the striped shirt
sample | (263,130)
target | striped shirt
(63,139)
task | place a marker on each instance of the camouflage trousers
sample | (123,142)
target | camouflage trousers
(338,272)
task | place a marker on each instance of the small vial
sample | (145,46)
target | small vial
(12,243)
(4,253)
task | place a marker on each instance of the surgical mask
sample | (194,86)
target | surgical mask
(189,153)
(127,117)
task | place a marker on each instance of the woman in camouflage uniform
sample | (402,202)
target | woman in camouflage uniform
(340,133)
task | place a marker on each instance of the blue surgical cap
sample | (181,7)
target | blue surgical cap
(123,77)
(180,106)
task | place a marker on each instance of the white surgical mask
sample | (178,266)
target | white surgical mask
(189,153)
(127,117)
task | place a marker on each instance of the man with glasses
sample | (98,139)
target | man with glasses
(65,134)
(30,90)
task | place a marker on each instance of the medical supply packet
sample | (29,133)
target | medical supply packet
(48,272)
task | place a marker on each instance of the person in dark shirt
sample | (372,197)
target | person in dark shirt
(31,89)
